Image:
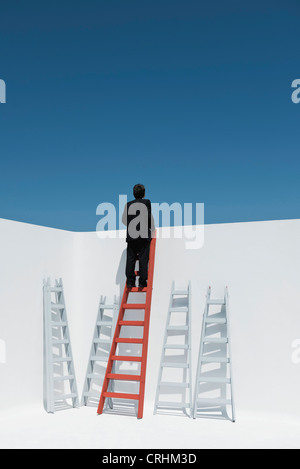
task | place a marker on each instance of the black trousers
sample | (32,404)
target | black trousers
(137,249)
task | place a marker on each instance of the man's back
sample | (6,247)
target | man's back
(139,220)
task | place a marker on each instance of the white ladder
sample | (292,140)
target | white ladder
(213,387)
(60,377)
(100,350)
(176,356)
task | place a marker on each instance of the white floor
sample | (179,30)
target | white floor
(84,429)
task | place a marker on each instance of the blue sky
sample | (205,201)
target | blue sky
(191,98)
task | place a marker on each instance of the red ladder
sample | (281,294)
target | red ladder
(144,341)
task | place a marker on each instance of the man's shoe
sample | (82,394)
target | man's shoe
(142,285)
(130,285)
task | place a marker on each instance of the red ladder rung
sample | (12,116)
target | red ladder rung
(123,377)
(126,358)
(137,289)
(131,323)
(120,395)
(134,306)
(125,340)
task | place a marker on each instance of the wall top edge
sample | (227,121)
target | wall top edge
(43,227)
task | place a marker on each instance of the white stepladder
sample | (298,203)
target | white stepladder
(214,387)
(100,349)
(175,373)
(60,376)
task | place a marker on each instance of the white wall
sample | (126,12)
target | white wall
(28,254)
(259,262)
(100,270)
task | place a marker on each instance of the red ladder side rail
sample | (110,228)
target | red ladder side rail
(146,327)
(144,341)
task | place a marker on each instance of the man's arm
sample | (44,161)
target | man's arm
(124,216)
(152,224)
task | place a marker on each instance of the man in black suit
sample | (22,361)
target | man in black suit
(138,218)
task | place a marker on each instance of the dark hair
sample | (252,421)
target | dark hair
(139,191)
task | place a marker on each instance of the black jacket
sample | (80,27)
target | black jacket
(137,216)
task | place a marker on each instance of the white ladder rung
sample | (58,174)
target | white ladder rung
(180,292)
(174,365)
(102,341)
(64,378)
(61,359)
(214,401)
(57,306)
(211,379)
(92,394)
(172,384)
(72,395)
(178,328)
(178,309)
(93,376)
(176,346)
(212,320)
(60,341)
(58,323)
(99,358)
(213,340)
(215,359)
(173,405)
(104,323)
(216,302)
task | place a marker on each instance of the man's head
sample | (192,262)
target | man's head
(139,191)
